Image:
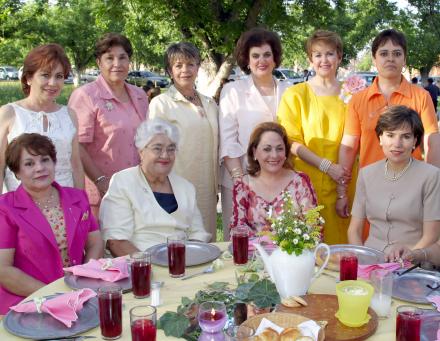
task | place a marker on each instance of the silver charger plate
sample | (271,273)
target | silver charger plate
(44,326)
(366,255)
(196,253)
(79,282)
(412,286)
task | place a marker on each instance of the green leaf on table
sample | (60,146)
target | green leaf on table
(186,301)
(173,324)
(218,286)
(264,294)
(242,291)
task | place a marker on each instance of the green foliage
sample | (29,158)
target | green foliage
(10,91)
(173,324)
(295,231)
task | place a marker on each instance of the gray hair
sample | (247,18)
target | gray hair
(182,50)
(150,128)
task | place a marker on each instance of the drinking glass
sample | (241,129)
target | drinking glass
(348,267)
(176,255)
(240,244)
(212,316)
(239,333)
(110,311)
(382,282)
(141,274)
(143,323)
(408,323)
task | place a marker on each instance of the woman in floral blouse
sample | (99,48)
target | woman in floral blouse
(259,194)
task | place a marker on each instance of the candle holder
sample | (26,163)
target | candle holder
(212,316)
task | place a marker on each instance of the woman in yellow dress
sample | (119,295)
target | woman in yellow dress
(313,116)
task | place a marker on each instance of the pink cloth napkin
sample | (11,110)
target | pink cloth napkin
(265,242)
(364,271)
(436,300)
(110,270)
(62,307)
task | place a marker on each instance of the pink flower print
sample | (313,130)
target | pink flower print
(351,85)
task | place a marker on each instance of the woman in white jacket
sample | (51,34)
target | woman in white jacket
(147,203)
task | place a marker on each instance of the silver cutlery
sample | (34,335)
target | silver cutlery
(408,270)
(208,270)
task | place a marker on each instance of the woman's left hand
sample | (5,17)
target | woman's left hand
(399,252)
(339,174)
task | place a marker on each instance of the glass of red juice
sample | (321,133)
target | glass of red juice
(212,316)
(240,244)
(348,267)
(408,323)
(141,274)
(110,311)
(143,323)
(176,255)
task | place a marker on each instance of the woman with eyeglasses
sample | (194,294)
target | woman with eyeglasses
(196,117)
(389,50)
(147,203)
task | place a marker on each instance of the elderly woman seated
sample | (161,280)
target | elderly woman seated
(44,226)
(147,203)
(399,195)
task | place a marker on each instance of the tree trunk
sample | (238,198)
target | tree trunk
(424,73)
(77,77)
(209,78)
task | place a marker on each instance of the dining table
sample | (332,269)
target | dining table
(174,289)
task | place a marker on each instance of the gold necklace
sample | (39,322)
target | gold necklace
(397,176)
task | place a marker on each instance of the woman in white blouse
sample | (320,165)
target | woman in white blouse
(246,103)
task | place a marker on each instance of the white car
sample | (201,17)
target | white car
(287,75)
(8,72)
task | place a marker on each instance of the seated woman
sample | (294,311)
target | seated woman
(45,226)
(259,194)
(399,196)
(147,203)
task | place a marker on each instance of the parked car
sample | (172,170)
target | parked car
(90,76)
(236,74)
(287,75)
(69,79)
(368,76)
(8,72)
(141,78)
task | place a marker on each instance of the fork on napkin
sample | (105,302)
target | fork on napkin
(63,307)
(364,271)
(107,269)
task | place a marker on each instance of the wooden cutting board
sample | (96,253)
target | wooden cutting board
(324,307)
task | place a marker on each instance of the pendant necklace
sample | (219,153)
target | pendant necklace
(398,175)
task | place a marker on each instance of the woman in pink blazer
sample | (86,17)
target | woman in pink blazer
(45,227)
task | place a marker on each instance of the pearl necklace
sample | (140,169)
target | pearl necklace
(49,202)
(398,175)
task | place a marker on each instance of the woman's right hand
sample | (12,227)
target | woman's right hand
(342,207)
(339,174)
(399,252)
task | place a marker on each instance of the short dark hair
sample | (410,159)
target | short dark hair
(182,50)
(397,37)
(254,38)
(430,80)
(35,144)
(326,37)
(46,57)
(253,165)
(397,116)
(109,40)
(414,80)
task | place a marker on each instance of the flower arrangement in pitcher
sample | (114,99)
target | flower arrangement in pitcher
(350,86)
(294,231)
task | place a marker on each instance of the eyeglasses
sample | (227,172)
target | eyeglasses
(158,150)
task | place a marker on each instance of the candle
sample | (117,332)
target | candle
(212,316)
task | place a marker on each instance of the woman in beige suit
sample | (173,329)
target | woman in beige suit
(196,117)
(399,196)
(246,103)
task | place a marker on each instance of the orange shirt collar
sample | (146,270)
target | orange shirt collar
(404,88)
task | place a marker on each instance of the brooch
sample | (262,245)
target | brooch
(109,105)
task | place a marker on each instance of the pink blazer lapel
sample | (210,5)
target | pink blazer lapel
(37,222)
(138,101)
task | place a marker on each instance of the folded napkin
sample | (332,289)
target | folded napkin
(110,270)
(265,242)
(436,300)
(364,271)
(62,307)
(308,328)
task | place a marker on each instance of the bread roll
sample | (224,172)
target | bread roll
(289,334)
(268,335)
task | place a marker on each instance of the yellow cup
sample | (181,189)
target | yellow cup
(354,298)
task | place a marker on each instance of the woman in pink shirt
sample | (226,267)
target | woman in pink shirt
(109,110)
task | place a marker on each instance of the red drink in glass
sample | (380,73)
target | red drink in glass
(348,268)
(240,248)
(141,278)
(143,330)
(110,311)
(176,259)
(408,324)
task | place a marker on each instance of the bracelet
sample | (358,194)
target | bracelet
(424,254)
(100,179)
(236,172)
(343,196)
(324,166)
